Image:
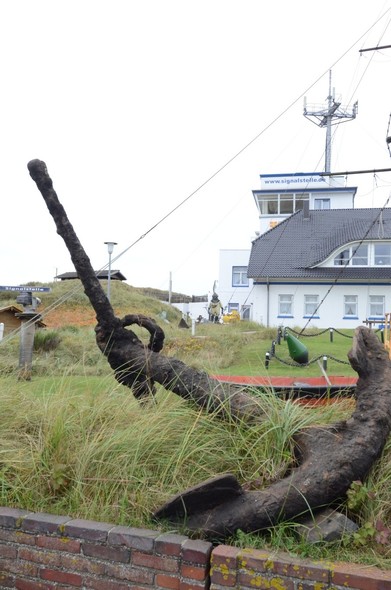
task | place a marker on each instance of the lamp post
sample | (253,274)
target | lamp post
(110,248)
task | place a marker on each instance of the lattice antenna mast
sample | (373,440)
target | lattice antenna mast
(326,117)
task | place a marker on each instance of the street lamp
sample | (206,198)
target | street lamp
(110,248)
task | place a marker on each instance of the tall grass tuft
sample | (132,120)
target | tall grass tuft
(46,340)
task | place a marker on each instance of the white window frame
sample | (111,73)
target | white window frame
(374,302)
(270,204)
(350,302)
(360,255)
(285,305)
(366,254)
(311,304)
(382,259)
(241,273)
(246,310)
(322,204)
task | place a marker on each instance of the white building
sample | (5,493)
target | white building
(234,286)
(317,261)
(281,195)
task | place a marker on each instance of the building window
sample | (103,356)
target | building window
(300,200)
(382,255)
(285,305)
(286,204)
(355,255)
(350,306)
(342,259)
(233,307)
(246,312)
(239,276)
(321,203)
(281,204)
(360,255)
(376,306)
(311,303)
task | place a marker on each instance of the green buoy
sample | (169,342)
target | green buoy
(297,351)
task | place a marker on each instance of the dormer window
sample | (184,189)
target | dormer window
(360,255)
(342,259)
(383,254)
(374,254)
(355,255)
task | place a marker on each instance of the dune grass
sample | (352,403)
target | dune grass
(82,446)
(73,441)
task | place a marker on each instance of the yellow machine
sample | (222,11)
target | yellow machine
(232,317)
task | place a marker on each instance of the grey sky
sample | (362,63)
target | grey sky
(133,105)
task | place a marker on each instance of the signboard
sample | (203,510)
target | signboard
(25,288)
(300,181)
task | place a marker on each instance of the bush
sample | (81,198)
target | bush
(46,340)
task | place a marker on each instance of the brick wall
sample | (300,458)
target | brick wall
(48,552)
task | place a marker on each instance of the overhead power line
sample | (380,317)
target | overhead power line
(374,171)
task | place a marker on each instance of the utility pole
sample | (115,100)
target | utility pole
(326,117)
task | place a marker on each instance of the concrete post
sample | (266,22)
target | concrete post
(27,333)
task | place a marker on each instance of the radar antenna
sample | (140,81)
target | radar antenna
(326,117)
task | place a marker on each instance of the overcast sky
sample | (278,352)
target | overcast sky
(135,105)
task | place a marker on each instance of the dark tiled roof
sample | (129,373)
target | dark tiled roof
(297,244)
(115,275)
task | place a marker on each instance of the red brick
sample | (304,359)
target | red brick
(31,585)
(283,565)
(6,581)
(126,572)
(225,555)
(59,544)
(79,563)
(191,586)
(8,551)
(11,517)
(155,562)
(170,544)
(360,577)
(39,556)
(193,572)
(224,565)
(43,523)
(305,570)
(61,577)
(196,551)
(22,568)
(17,537)
(87,529)
(221,578)
(95,584)
(165,581)
(141,539)
(110,553)
(264,582)
(254,559)
(312,586)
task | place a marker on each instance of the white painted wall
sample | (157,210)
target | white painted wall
(331,311)
(229,294)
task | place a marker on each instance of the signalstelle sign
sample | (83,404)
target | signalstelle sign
(24,288)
